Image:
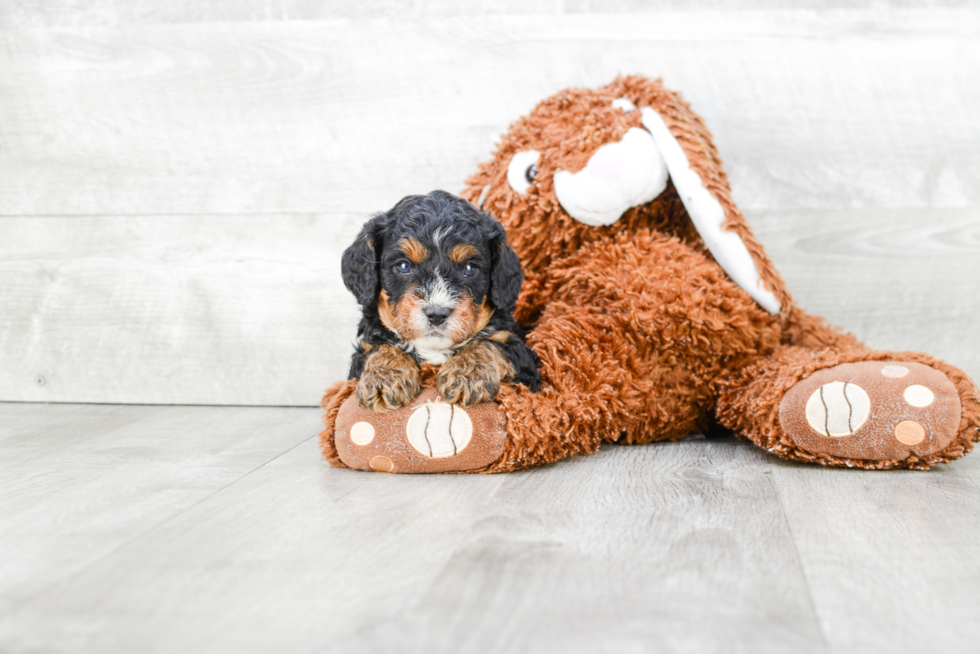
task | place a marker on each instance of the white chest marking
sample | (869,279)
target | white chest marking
(434,350)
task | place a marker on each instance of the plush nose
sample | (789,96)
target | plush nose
(437,315)
(617,176)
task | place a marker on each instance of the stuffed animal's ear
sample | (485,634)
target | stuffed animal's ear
(359,265)
(506,275)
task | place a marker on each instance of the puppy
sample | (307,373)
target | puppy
(438,284)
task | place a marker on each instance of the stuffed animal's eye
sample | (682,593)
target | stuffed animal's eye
(522,170)
(469,270)
(404,268)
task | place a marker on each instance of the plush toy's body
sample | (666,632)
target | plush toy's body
(656,314)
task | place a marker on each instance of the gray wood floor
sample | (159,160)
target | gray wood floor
(176,529)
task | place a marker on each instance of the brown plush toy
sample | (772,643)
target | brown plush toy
(656,314)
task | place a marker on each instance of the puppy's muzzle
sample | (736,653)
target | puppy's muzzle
(437,315)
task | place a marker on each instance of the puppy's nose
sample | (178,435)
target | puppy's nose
(437,315)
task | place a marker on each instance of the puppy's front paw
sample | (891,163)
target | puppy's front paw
(390,379)
(386,389)
(457,387)
(473,374)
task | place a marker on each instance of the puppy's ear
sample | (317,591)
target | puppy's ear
(359,265)
(506,275)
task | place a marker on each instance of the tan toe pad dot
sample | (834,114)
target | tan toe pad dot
(918,396)
(894,371)
(837,409)
(909,432)
(381,464)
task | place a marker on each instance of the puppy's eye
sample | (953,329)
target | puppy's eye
(403,268)
(469,270)
(522,170)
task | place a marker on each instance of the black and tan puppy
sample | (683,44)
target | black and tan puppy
(438,284)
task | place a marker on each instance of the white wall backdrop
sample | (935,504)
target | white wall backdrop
(178,180)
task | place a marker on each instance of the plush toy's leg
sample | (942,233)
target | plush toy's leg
(853,407)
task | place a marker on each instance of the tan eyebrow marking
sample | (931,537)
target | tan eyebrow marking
(461,253)
(416,251)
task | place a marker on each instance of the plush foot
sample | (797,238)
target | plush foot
(872,410)
(425,435)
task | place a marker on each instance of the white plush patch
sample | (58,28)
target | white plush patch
(707,214)
(517,170)
(439,430)
(362,433)
(838,409)
(894,371)
(919,396)
(624,104)
(617,177)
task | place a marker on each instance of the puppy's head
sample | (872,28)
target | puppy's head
(435,269)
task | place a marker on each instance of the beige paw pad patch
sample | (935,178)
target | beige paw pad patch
(362,433)
(838,409)
(894,371)
(919,396)
(439,429)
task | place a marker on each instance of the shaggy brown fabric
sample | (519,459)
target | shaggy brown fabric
(641,334)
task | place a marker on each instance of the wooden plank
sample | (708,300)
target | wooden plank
(251,310)
(891,559)
(298,551)
(46,13)
(901,279)
(175,309)
(25,427)
(185,531)
(810,109)
(677,546)
(672,547)
(84,481)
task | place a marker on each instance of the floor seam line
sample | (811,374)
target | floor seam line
(799,562)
